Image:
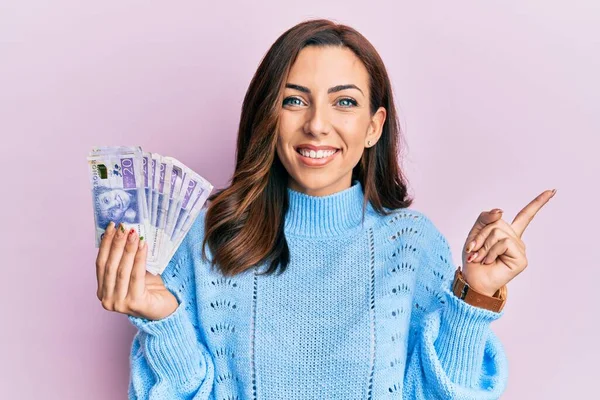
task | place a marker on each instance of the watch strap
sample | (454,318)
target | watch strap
(463,291)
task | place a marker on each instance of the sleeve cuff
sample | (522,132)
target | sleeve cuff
(462,337)
(171,346)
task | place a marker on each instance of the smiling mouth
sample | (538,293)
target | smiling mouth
(298,151)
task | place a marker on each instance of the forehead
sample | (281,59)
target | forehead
(325,66)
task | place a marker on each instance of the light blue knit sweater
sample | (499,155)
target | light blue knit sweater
(362,312)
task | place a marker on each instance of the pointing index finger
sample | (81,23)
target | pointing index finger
(525,216)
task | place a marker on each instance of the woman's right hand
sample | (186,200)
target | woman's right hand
(124,285)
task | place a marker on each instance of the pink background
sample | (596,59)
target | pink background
(499,101)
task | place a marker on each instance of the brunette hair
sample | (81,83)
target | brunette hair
(244,222)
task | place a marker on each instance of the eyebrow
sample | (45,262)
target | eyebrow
(330,90)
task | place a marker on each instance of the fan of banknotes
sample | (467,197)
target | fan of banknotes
(156,195)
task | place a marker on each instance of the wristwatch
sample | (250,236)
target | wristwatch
(463,291)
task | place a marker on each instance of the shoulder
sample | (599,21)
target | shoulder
(411,223)
(414,235)
(197,230)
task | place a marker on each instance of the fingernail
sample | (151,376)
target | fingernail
(131,236)
(142,242)
(472,256)
(496,211)
(121,230)
(553,192)
(471,246)
(110,226)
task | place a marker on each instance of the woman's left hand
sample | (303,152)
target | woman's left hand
(494,252)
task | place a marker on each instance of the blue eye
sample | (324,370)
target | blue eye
(353,102)
(285,101)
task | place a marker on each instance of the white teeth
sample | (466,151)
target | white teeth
(316,154)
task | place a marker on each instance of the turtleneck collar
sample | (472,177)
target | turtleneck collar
(323,216)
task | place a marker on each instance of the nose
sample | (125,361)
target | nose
(318,122)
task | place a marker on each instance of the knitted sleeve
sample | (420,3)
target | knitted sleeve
(453,353)
(168,359)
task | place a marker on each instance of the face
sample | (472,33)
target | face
(326,103)
(113,204)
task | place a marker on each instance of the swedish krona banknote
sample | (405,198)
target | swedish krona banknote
(158,196)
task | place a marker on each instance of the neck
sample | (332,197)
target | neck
(324,216)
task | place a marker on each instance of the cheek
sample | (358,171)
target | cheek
(287,126)
(355,152)
(285,137)
(353,133)
(281,152)
(354,142)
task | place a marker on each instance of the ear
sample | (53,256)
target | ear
(375,127)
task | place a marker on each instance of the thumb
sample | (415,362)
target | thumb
(487,217)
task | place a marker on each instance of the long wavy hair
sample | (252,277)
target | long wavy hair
(244,222)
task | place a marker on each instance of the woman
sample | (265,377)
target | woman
(320,281)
